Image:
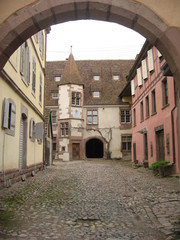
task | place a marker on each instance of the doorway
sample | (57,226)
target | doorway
(94,148)
(160,145)
(76,151)
(23,142)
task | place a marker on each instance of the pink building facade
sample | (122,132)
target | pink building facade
(154,110)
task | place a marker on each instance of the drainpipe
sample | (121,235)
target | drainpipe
(3,158)
(173,140)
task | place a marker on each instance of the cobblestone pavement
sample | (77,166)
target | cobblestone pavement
(99,199)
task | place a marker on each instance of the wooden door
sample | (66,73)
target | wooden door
(76,151)
(160,145)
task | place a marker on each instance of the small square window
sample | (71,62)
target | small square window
(55,95)
(115,77)
(96,94)
(57,78)
(96,77)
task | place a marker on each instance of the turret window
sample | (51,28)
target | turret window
(64,129)
(76,96)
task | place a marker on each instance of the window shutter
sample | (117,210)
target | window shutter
(31,128)
(139,76)
(13,117)
(5,114)
(159,54)
(144,69)
(39,131)
(22,58)
(150,60)
(132,88)
(28,62)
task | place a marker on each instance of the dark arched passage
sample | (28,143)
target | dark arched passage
(94,148)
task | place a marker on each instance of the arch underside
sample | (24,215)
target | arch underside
(31,19)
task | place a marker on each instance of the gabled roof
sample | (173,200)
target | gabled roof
(71,74)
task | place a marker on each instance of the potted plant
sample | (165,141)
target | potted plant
(159,167)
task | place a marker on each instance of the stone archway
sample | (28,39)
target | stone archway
(21,19)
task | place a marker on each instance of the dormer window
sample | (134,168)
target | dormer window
(96,94)
(57,78)
(96,77)
(76,96)
(115,77)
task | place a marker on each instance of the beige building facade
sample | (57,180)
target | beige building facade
(21,111)
(89,119)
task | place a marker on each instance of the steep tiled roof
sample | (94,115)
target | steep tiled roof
(71,73)
(109,88)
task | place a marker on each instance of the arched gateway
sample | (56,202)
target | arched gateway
(21,19)
(153,19)
(94,148)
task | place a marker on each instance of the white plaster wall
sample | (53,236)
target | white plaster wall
(108,117)
(76,128)
(64,143)
(63,102)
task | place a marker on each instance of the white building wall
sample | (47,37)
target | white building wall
(108,119)
(63,101)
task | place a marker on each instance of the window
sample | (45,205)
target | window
(25,62)
(34,75)
(76,98)
(54,146)
(92,117)
(55,95)
(132,88)
(147,106)
(125,116)
(64,130)
(54,117)
(165,99)
(96,94)
(40,89)
(126,143)
(115,77)
(139,77)
(153,101)
(144,69)
(142,111)
(32,129)
(134,116)
(96,77)
(150,60)
(9,116)
(57,78)
(41,44)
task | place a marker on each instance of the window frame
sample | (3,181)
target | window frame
(127,137)
(94,123)
(55,97)
(153,102)
(96,78)
(64,129)
(147,106)
(54,116)
(76,99)
(9,116)
(165,95)
(125,116)
(114,77)
(96,97)
(142,111)
(34,75)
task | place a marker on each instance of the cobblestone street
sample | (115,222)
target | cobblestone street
(97,199)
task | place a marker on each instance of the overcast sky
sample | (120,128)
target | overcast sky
(92,40)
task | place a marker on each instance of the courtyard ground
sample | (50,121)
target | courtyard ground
(99,199)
